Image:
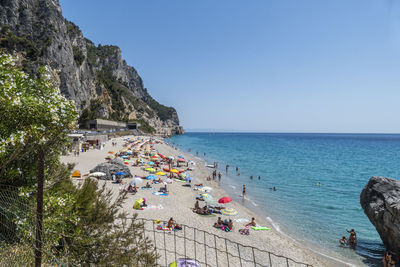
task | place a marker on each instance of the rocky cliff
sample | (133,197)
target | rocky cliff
(95,77)
(380,200)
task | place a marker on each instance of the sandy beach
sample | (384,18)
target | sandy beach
(180,201)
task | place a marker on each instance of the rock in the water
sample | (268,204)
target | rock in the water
(380,200)
(112,167)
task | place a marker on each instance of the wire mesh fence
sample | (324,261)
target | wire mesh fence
(156,245)
(206,248)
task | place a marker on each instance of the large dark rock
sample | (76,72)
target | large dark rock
(380,200)
(112,167)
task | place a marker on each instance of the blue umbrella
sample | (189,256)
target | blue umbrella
(120,173)
(151,177)
(150,163)
(124,157)
(181,157)
(129,153)
(189,179)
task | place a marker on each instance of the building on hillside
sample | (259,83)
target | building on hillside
(101,125)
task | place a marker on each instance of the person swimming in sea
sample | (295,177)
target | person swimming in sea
(343,241)
(251,177)
(273,188)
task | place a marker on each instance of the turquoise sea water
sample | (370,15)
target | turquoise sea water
(294,164)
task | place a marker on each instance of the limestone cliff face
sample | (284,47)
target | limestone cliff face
(95,77)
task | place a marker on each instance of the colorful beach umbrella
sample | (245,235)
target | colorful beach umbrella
(120,173)
(150,169)
(181,160)
(111,152)
(189,179)
(174,171)
(136,181)
(183,175)
(161,173)
(229,212)
(124,157)
(210,200)
(76,174)
(224,200)
(181,157)
(151,177)
(150,163)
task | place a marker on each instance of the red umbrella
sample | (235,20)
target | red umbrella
(224,200)
(181,160)
(161,155)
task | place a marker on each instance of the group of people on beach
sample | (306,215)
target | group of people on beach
(352,241)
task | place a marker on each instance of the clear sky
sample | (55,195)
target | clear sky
(259,65)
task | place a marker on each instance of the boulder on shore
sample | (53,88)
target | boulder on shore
(112,167)
(380,200)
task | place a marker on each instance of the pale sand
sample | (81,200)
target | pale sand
(181,199)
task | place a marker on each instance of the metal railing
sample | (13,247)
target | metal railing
(207,249)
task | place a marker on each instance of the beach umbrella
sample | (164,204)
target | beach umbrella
(183,175)
(150,169)
(154,156)
(111,152)
(124,157)
(224,200)
(136,181)
(151,177)
(229,212)
(97,174)
(174,171)
(150,163)
(120,173)
(181,160)
(189,179)
(161,173)
(76,174)
(129,152)
(137,204)
(181,157)
(210,200)
(172,158)
(168,180)
(184,263)
(161,155)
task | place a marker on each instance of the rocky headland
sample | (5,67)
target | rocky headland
(100,82)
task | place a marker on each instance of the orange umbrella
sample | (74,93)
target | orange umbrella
(76,174)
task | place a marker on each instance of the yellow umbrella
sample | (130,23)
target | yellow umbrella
(174,171)
(76,174)
(161,173)
(150,169)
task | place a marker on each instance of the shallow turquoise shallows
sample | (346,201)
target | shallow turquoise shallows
(318,177)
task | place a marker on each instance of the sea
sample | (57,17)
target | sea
(318,180)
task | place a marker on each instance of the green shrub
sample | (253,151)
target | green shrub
(79,57)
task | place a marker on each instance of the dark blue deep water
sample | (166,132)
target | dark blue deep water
(295,164)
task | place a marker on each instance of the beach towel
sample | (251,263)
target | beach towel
(154,207)
(241,220)
(145,188)
(257,228)
(159,194)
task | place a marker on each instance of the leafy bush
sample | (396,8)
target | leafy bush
(79,57)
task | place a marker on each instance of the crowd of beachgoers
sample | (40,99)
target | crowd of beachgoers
(174,188)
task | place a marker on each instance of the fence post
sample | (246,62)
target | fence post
(155,242)
(254,257)
(287,262)
(216,250)
(226,250)
(240,259)
(205,248)
(270,262)
(165,250)
(184,239)
(174,243)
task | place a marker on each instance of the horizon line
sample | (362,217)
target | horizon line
(281,132)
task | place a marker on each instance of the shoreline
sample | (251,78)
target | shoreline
(329,257)
(181,199)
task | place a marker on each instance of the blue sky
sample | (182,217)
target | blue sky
(260,65)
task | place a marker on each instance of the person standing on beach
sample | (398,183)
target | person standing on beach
(244,190)
(219,176)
